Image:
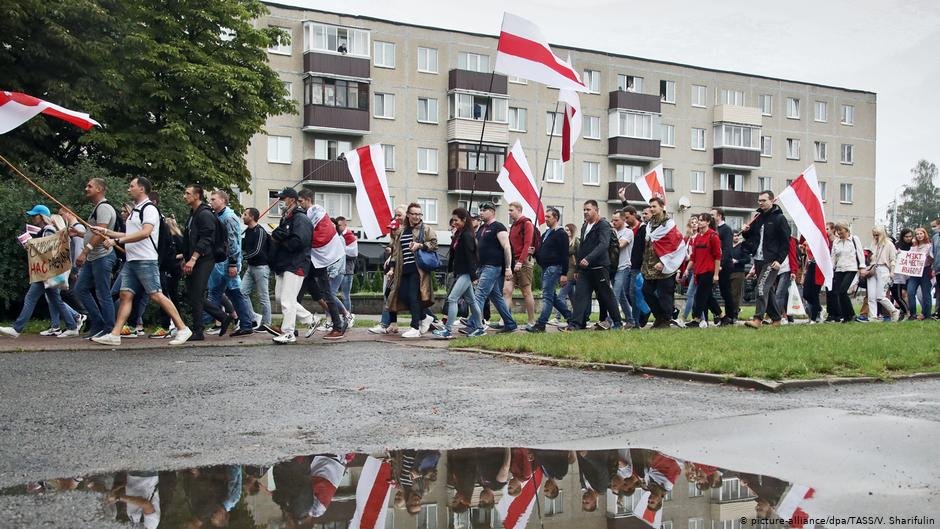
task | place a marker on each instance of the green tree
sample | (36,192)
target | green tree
(179,87)
(919,203)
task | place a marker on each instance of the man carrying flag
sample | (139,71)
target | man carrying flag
(768,238)
(665,251)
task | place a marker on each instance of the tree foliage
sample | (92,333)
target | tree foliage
(919,203)
(179,86)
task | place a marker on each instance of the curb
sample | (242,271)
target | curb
(709,378)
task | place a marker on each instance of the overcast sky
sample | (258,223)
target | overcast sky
(889,47)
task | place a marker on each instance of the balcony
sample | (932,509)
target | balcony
(336,65)
(739,115)
(623,148)
(632,193)
(336,120)
(634,101)
(468,130)
(477,82)
(733,158)
(327,172)
(743,200)
(460,182)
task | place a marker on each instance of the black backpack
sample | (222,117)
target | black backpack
(613,247)
(165,247)
(119,225)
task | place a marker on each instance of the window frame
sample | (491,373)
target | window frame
(386,149)
(766,101)
(588,132)
(278,48)
(692,181)
(790,143)
(693,139)
(425,202)
(795,106)
(664,85)
(550,174)
(277,149)
(525,117)
(427,59)
(842,193)
(850,114)
(704,94)
(429,120)
(431,169)
(375,55)
(850,159)
(585,173)
(825,113)
(375,106)
(558,123)
(770,146)
(816,151)
(592,80)
(479,59)
(664,137)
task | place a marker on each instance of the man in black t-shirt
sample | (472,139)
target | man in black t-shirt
(495,263)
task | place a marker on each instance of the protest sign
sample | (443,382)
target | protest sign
(48,256)
(910,263)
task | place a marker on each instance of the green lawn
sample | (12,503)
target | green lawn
(879,350)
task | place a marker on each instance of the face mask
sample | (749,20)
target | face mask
(936,229)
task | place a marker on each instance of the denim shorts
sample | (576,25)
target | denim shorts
(140,275)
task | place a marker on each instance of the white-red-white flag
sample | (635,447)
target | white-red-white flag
(791,505)
(668,244)
(522,51)
(17,108)
(518,184)
(372,494)
(653,184)
(367,167)
(803,201)
(515,510)
(571,128)
(641,511)
(326,471)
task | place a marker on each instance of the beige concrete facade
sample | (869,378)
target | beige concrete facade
(730,99)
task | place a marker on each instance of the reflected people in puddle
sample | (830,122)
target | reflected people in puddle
(478,487)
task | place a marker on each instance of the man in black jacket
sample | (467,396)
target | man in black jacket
(290,262)
(256,244)
(198,241)
(726,236)
(553,258)
(592,274)
(768,236)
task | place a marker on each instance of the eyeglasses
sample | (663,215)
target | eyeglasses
(417,214)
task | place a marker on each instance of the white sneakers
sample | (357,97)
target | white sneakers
(51,331)
(181,336)
(412,332)
(285,338)
(69,333)
(107,339)
(425,325)
(378,329)
(314,324)
(9,331)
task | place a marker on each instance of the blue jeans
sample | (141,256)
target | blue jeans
(463,289)
(257,279)
(36,291)
(922,283)
(689,296)
(346,288)
(550,277)
(219,282)
(623,281)
(336,284)
(97,275)
(490,287)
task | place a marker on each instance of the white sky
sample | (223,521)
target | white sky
(890,47)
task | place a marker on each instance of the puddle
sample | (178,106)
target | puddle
(511,488)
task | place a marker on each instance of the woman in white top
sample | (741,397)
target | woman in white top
(847,259)
(878,274)
(921,282)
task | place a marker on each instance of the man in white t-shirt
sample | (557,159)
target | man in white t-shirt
(141,272)
(622,282)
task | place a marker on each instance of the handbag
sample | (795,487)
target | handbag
(426,259)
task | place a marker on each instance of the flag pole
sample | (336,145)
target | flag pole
(489,110)
(547,151)
(43,191)
(302,180)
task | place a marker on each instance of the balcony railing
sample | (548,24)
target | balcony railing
(477,82)
(634,101)
(460,181)
(338,120)
(328,172)
(344,65)
(632,193)
(733,158)
(632,148)
(724,198)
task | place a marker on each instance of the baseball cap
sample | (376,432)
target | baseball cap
(288,192)
(39,209)
(487,205)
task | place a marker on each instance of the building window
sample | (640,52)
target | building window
(289,88)
(277,210)
(279,149)
(517,119)
(698,139)
(793,108)
(766,146)
(427,517)
(591,173)
(554,121)
(338,204)
(737,136)
(766,104)
(822,190)
(429,208)
(845,193)
(697,182)
(821,151)
(635,125)
(473,62)
(732,97)
(469,106)
(821,113)
(731,182)
(848,154)
(696,523)
(592,80)
(556,171)
(765,183)
(427,110)
(384,54)
(389,152)
(666,524)
(630,83)
(668,179)
(667,91)
(282,46)
(669,136)
(592,127)
(629,173)
(848,115)
(427,60)
(556,505)
(473,157)
(427,160)
(793,149)
(384,106)
(335,39)
(329,149)
(336,93)
(518,80)
(698,96)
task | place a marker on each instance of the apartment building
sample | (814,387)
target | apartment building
(423,93)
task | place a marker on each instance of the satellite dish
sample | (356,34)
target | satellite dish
(684,203)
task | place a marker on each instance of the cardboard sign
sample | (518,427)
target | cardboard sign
(910,263)
(48,256)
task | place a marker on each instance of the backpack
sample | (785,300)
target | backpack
(165,247)
(119,225)
(536,240)
(613,247)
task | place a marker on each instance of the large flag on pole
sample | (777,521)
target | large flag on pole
(372,494)
(515,510)
(791,505)
(17,108)
(367,167)
(571,128)
(803,201)
(652,184)
(522,51)
(518,184)
(641,511)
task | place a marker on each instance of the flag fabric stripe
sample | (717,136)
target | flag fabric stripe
(17,108)
(515,511)
(803,201)
(372,494)
(653,518)
(522,51)
(534,51)
(367,167)
(518,184)
(652,184)
(668,245)
(571,127)
(529,194)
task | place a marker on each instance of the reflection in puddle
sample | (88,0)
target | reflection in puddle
(510,488)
